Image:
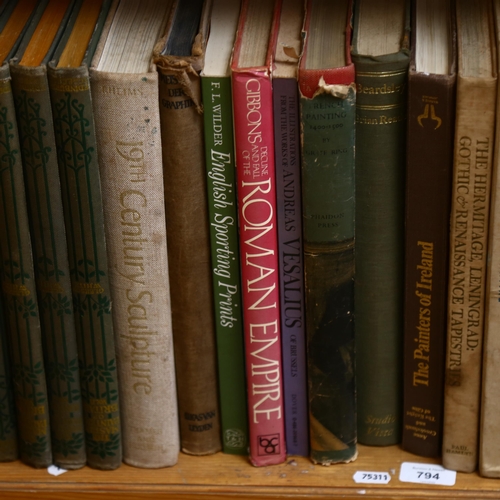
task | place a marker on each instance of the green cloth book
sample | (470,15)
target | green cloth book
(381,64)
(20,303)
(327,112)
(19,293)
(8,429)
(46,223)
(223,217)
(75,140)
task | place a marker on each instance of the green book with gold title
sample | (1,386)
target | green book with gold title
(380,52)
(75,140)
(20,304)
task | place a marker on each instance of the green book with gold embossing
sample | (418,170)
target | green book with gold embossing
(84,221)
(20,304)
(45,213)
(8,430)
(380,52)
(19,293)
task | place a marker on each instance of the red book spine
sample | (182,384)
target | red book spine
(255,168)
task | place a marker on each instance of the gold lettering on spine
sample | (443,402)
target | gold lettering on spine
(468,251)
(69,84)
(423,292)
(132,205)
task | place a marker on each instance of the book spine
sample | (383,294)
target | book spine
(223,213)
(19,292)
(45,212)
(84,221)
(473,153)
(8,429)
(328,214)
(255,164)
(489,463)
(380,166)
(186,200)
(489,430)
(129,145)
(431,119)
(291,264)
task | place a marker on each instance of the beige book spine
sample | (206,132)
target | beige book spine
(489,431)
(473,155)
(128,139)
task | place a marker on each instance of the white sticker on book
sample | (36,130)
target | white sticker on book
(369,477)
(412,472)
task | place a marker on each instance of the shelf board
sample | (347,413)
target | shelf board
(231,477)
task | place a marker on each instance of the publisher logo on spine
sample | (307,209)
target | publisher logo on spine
(269,444)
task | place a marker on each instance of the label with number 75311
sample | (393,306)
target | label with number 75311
(369,477)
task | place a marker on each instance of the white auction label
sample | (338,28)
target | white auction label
(55,471)
(412,472)
(369,477)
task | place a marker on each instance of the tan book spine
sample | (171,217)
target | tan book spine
(186,201)
(489,431)
(473,155)
(128,139)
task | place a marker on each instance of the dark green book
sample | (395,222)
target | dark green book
(327,124)
(19,293)
(46,223)
(88,264)
(8,430)
(381,79)
(223,216)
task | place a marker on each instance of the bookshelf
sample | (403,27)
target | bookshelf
(227,477)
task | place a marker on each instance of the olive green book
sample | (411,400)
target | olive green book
(380,52)
(19,293)
(50,258)
(327,114)
(223,217)
(88,263)
(8,430)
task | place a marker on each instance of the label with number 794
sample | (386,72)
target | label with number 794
(368,477)
(412,472)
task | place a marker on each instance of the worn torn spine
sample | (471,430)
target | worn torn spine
(327,107)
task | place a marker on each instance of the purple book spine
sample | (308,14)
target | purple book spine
(289,216)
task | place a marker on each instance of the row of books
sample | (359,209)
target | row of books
(253,180)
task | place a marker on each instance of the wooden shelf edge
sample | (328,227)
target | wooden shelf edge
(227,477)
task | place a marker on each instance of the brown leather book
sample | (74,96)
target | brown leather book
(180,57)
(431,118)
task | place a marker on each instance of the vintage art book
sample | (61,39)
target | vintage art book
(223,217)
(431,115)
(180,57)
(380,52)
(489,459)
(473,157)
(82,206)
(46,224)
(8,429)
(328,111)
(20,304)
(289,220)
(124,89)
(256,178)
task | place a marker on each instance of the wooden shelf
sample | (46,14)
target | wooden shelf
(226,477)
